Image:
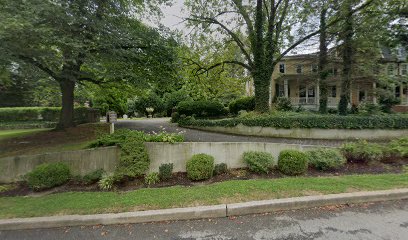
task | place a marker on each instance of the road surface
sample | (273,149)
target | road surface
(387,220)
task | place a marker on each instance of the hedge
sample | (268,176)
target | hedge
(48,114)
(392,121)
(245,103)
(202,108)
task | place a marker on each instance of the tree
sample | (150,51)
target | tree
(84,40)
(270,33)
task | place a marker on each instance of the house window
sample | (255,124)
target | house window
(404,69)
(314,68)
(311,91)
(361,95)
(390,69)
(298,69)
(302,91)
(397,91)
(282,68)
(333,91)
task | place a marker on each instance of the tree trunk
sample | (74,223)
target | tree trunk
(67,112)
(261,84)
(323,62)
(347,58)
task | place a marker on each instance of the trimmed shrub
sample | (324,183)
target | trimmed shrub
(152,178)
(220,168)
(258,162)
(166,171)
(171,100)
(362,151)
(202,108)
(292,162)
(245,103)
(399,147)
(48,175)
(93,177)
(326,159)
(284,104)
(289,120)
(200,167)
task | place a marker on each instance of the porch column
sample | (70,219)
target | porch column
(286,88)
(374,93)
(317,100)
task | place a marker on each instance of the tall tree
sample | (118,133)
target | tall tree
(264,31)
(84,40)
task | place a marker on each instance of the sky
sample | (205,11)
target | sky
(173,15)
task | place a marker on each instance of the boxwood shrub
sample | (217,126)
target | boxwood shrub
(326,159)
(200,167)
(258,162)
(292,162)
(362,151)
(220,168)
(48,175)
(302,120)
(245,103)
(166,171)
(204,108)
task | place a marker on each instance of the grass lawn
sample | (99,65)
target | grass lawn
(179,196)
(4,134)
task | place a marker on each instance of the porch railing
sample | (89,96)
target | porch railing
(303,100)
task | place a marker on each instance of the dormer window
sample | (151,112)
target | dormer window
(298,69)
(282,68)
(390,69)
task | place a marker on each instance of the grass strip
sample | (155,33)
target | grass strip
(5,134)
(179,196)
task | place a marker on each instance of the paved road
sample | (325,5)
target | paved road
(388,220)
(192,135)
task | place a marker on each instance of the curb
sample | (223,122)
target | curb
(215,211)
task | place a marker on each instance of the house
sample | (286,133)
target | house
(296,77)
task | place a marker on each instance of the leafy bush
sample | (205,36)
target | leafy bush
(48,175)
(202,108)
(139,104)
(107,182)
(306,120)
(166,171)
(175,117)
(284,104)
(171,100)
(200,167)
(245,103)
(399,147)
(362,151)
(93,177)
(259,162)
(292,162)
(326,159)
(152,178)
(220,168)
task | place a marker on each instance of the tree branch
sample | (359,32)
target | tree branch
(39,65)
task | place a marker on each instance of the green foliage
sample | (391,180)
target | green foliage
(48,114)
(166,171)
(362,151)
(107,182)
(93,176)
(46,176)
(200,167)
(163,136)
(220,168)
(149,100)
(399,147)
(367,108)
(175,117)
(343,105)
(283,104)
(202,108)
(245,103)
(258,162)
(326,159)
(171,100)
(292,162)
(302,120)
(152,178)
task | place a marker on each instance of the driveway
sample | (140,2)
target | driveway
(192,135)
(388,220)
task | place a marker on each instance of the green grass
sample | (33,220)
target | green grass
(178,196)
(4,134)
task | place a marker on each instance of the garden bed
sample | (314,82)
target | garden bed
(396,166)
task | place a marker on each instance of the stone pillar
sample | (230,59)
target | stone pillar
(286,88)
(317,100)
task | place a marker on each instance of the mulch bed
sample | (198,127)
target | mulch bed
(180,179)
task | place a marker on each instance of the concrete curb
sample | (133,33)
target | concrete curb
(215,211)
